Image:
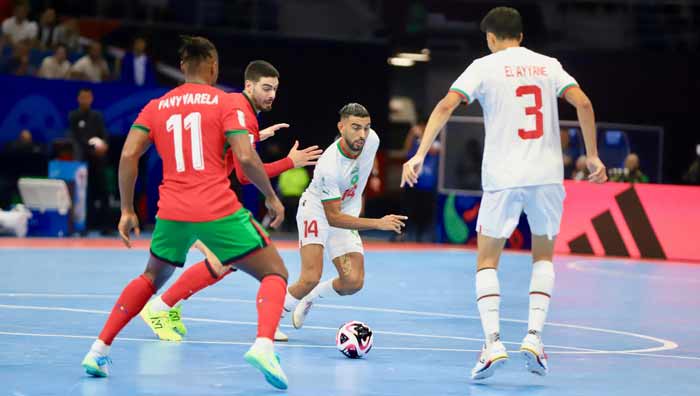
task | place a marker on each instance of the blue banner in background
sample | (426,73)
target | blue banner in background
(75,174)
(42,106)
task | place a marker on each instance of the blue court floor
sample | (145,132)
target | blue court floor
(616,328)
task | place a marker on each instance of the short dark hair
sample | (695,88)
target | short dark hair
(84,89)
(195,49)
(258,69)
(353,109)
(504,22)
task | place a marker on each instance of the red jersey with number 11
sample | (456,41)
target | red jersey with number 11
(188,126)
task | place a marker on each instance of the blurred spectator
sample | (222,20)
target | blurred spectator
(291,185)
(419,201)
(24,144)
(631,173)
(89,136)
(91,67)
(692,175)
(18,28)
(135,67)
(68,34)
(55,66)
(47,29)
(580,172)
(566,151)
(18,63)
(21,157)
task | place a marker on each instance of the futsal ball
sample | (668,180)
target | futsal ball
(354,339)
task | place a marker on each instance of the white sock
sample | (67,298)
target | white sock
(541,286)
(290,302)
(488,299)
(265,345)
(100,348)
(158,305)
(322,290)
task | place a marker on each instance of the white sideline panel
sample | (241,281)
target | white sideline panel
(45,194)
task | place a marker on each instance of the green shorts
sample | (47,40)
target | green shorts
(230,238)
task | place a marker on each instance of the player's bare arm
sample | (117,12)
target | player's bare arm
(338,219)
(137,142)
(438,118)
(253,169)
(586,118)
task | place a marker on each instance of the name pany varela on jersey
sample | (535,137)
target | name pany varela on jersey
(517,89)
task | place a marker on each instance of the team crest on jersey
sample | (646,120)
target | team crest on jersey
(354,178)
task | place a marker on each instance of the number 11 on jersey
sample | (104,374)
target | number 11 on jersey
(193,122)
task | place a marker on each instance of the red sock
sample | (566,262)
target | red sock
(270,301)
(133,298)
(194,279)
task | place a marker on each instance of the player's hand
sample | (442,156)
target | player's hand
(597,169)
(276,211)
(270,131)
(304,157)
(392,223)
(411,171)
(129,221)
(211,258)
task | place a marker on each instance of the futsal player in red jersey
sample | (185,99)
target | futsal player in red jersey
(261,83)
(189,126)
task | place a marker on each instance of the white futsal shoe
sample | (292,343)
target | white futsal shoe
(493,356)
(532,350)
(280,336)
(300,311)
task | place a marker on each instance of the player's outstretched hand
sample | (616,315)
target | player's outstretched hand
(270,131)
(392,223)
(129,221)
(411,171)
(597,169)
(304,157)
(276,211)
(213,260)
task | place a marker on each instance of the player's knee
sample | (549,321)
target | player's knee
(352,284)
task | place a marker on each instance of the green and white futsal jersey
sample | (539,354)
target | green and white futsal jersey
(337,176)
(522,168)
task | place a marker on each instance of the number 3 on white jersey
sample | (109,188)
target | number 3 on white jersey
(535,110)
(193,122)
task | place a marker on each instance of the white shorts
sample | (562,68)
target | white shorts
(500,210)
(314,229)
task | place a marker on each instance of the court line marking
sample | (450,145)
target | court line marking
(665,344)
(244,323)
(580,265)
(291,345)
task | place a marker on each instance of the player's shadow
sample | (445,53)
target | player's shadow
(505,388)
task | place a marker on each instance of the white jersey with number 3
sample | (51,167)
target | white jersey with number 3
(517,89)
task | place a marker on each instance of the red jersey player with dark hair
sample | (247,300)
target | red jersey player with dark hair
(261,83)
(189,126)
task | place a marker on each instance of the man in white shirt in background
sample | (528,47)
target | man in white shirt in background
(522,169)
(55,66)
(91,67)
(18,28)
